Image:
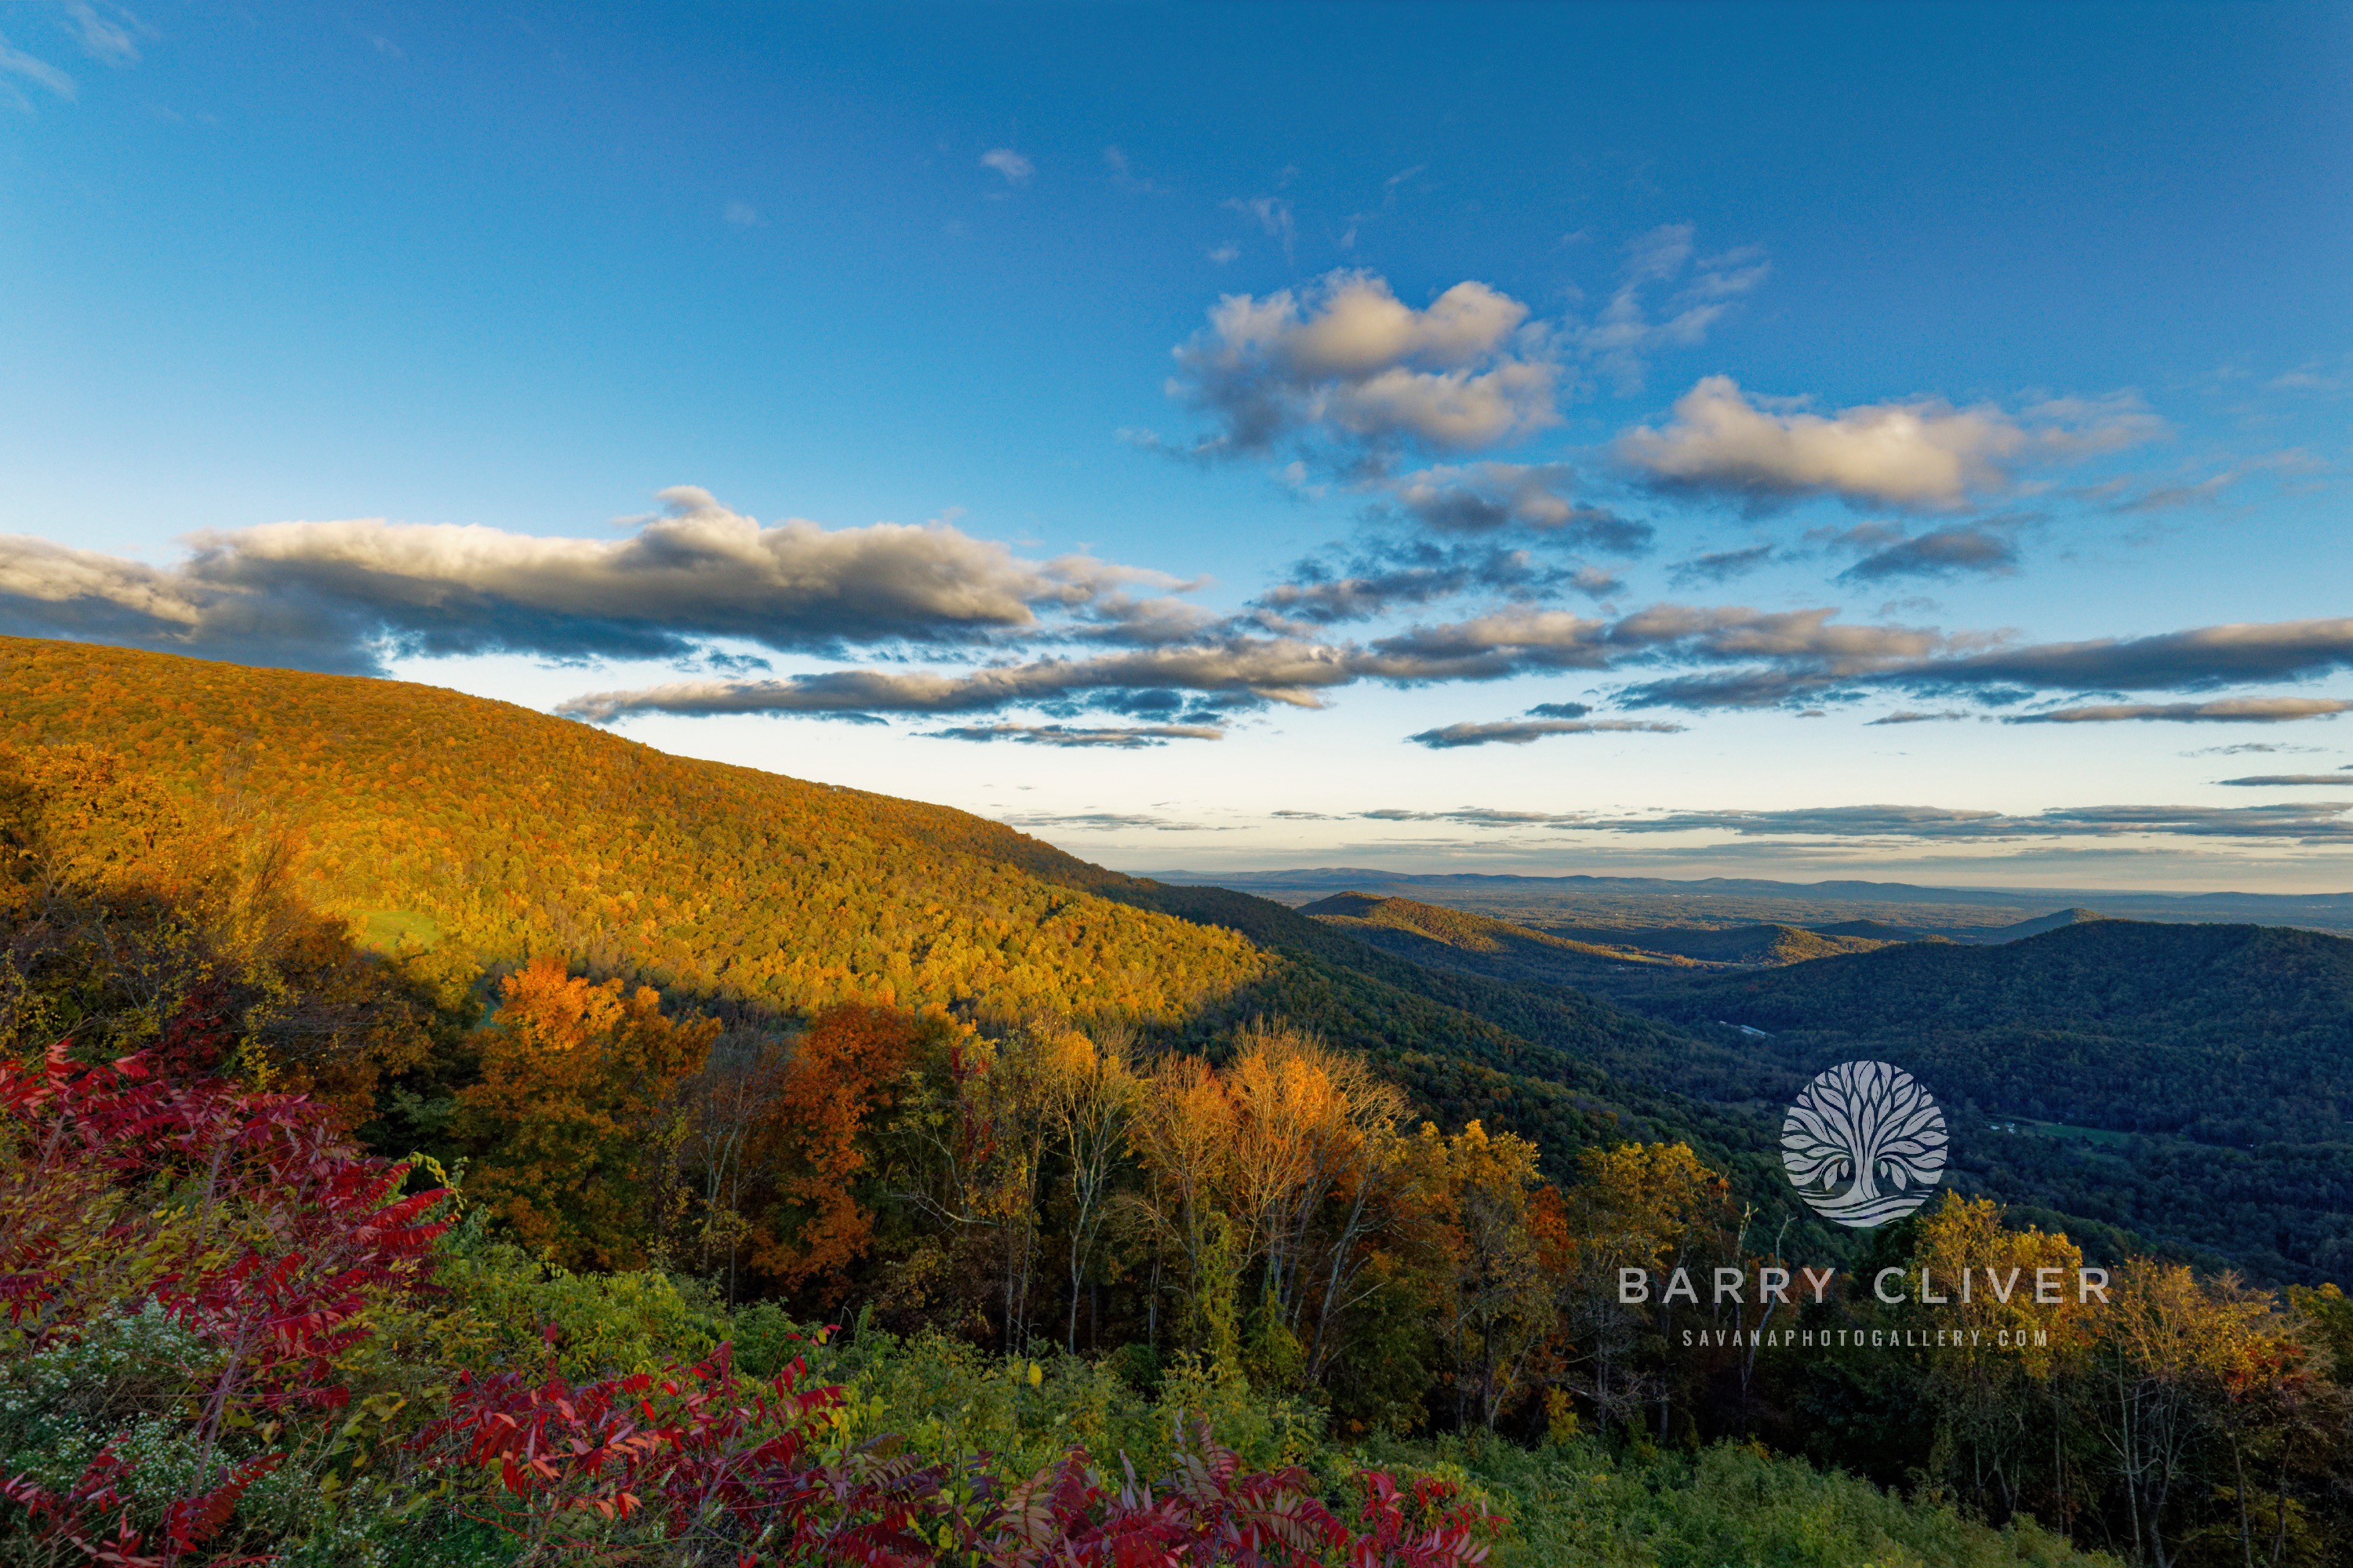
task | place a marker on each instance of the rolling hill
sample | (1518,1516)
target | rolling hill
(2230,1033)
(1624,964)
(1455,938)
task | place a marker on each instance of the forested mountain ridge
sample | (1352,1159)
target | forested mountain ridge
(2188,1083)
(514,833)
(1623,965)
(1463,937)
(2209,1030)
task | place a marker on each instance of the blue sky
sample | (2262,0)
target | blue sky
(1511,437)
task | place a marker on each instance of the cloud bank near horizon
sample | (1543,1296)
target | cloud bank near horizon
(344,597)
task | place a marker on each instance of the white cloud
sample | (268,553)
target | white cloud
(333,594)
(1520,732)
(1016,168)
(1925,454)
(2226,710)
(1348,364)
(1132,737)
(1123,175)
(742,214)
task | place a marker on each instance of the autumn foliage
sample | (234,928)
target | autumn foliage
(576,1079)
(844,1071)
(246,1221)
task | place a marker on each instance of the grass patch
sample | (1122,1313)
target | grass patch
(389,930)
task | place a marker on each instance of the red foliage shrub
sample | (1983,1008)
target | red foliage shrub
(1211,1513)
(709,1461)
(249,1219)
(719,1468)
(79,1517)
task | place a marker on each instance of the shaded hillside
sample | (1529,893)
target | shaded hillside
(1625,965)
(1564,1067)
(2230,1033)
(2036,926)
(2223,1054)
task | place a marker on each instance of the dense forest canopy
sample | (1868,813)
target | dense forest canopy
(513,834)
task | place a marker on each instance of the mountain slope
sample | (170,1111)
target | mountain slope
(2036,927)
(509,833)
(2233,1033)
(2192,1084)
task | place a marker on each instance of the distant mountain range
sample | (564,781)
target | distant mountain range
(1948,911)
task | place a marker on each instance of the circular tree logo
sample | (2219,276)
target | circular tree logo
(1863,1143)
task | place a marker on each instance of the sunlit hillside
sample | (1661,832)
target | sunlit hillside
(430,817)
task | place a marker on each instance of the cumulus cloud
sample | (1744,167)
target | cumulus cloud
(1521,641)
(1477,498)
(1353,372)
(346,595)
(1239,670)
(1519,732)
(1016,168)
(1131,739)
(1488,647)
(2205,656)
(1281,670)
(1922,455)
(2229,710)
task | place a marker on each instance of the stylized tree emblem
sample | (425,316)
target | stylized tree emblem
(1863,1143)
